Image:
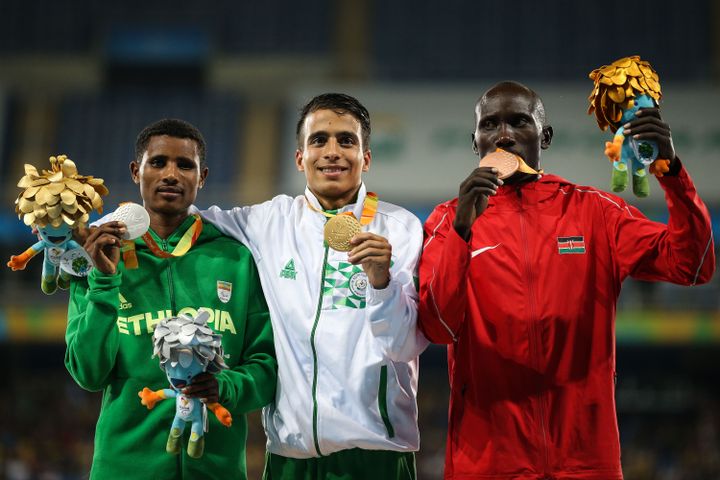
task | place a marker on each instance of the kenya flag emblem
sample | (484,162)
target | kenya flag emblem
(571,244)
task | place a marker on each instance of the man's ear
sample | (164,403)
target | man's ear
(299,160)
(135,172)
(203,176)
(474,145)
(367,160)
(547,134)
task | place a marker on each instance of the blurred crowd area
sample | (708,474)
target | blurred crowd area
(83,77)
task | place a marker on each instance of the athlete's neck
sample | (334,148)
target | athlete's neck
(164,224)
(336,203)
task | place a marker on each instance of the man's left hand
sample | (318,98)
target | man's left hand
(373,252)
(649,126)
(204,386)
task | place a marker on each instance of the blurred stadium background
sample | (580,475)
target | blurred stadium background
(82,77)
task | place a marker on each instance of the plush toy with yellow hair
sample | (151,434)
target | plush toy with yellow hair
(621,89)
(55,202)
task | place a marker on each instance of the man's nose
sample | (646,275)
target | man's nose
(170,173)
(332,149)
(505,137)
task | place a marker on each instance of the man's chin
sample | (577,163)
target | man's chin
(170,209)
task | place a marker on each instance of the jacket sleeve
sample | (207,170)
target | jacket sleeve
(392,311)
(443,273)
(251,383)
(680,252)
(91,335)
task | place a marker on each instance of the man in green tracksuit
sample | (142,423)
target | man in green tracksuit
(183,265)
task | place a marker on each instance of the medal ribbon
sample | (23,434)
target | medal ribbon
(368,212)
(186,242)
(184,245)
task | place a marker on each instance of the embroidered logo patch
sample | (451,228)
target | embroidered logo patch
(224,291)
(288,270)
(568,245)
(358,284)
(124,304)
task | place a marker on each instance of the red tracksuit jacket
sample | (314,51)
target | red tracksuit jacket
(527,307)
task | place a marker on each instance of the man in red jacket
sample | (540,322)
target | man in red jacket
(520,278)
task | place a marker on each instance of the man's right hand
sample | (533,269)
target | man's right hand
(103,246)
(473,198)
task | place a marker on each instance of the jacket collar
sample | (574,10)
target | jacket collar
(356,207)
(542,189)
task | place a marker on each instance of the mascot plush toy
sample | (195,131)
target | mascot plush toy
(621,89)
(187,347)
(54,203)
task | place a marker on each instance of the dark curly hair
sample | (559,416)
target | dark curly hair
(172,127)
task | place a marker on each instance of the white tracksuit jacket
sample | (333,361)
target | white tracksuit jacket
(347,353)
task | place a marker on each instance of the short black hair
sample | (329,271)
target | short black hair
(172,127)
(339,103)
(538,105)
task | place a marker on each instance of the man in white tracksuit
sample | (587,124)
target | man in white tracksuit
(344,322)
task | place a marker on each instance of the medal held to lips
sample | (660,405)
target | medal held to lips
(506,163)
(339,230)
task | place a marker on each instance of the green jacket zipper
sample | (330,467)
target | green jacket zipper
(315,360)
(164,246)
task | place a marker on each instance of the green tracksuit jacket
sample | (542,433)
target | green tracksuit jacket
(109,347)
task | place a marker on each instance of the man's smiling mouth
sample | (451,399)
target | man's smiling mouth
(332,169)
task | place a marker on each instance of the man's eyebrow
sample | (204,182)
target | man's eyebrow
(161,156)
(347,132)
(323,133)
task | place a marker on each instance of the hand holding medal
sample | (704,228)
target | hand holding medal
(343,233)
(115,234)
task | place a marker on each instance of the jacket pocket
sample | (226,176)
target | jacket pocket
(382,402)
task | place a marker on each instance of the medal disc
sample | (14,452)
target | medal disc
(505,162)
(135,218)
(339,230)
(76,262)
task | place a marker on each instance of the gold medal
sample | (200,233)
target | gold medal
(339,230)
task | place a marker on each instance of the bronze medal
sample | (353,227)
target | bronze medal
(339,230)
(505,162)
